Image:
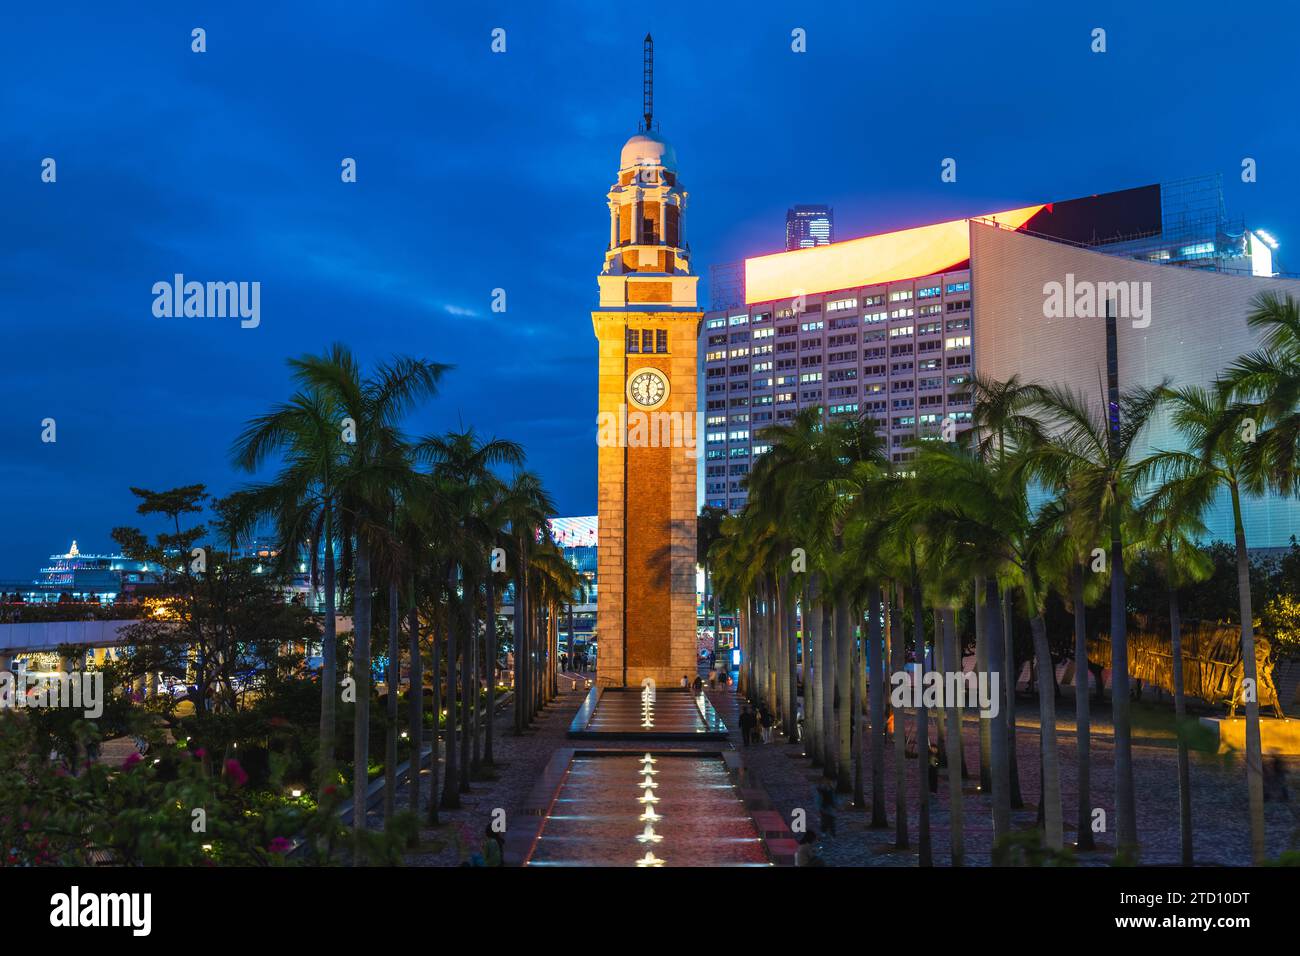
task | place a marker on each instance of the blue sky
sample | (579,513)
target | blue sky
(479,170)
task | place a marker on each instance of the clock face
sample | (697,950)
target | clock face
(647,388)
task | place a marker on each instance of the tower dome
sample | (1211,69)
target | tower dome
(648,149)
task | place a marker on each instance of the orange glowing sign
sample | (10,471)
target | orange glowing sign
(906,254)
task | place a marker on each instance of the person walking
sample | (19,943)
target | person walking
(767,721)
(746,725)
(826,809)
(806,855)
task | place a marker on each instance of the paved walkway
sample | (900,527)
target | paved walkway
(1221,830)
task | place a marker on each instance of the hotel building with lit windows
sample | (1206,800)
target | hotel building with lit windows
(894,326)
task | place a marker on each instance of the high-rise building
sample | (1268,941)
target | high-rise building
(647,326)
(808,226)
(889,326)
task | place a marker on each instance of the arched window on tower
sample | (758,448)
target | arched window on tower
(673,232)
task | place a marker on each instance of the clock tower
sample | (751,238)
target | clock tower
(647,327)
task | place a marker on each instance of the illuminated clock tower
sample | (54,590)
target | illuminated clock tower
(647,327)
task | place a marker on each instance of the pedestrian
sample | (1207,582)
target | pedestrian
(493,852)
(806,855)
(1275,781)
(697,685)
(826,809)
(746,725)
(768,722)
(564,660)
(685,683)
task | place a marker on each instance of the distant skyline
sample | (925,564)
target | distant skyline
(478,171)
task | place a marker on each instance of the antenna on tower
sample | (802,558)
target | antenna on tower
(648,81)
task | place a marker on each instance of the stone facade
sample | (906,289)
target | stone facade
(646,462)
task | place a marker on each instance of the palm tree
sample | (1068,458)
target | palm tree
(462,469)
(708,528)
(1003,420)
(1078,530)
(1267,383)
(304,500)
(1092,450)
(1174,526)
(1215,462)
(345,453)
(526,506)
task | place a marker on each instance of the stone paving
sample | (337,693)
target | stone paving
(1221,829)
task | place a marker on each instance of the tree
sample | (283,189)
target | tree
(1092,449)
(708,529)
(1171,516)
(1212,428)
(345,455)
(462,468)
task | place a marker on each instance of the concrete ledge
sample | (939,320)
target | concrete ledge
(1276,735)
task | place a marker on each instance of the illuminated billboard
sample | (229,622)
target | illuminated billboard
(927,250)
(906,254)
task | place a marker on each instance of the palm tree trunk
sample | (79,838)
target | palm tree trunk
(826,690)
(876,693)
(859,721)
(520,624)
(925,857)
(476,671)
(1082,712)
(392,679)
(467,697)
(493,649)
(361,600)
(812,623)
(1009,648)
(435,671)
(1050,754)
(941,665)
(415,701)
(982,667)
(898,665)
(1250,690)
(1180,718)
(329,678)
(952,739)
(451,776)
(844,694)
(791,664)
(999,771)
(1125,804)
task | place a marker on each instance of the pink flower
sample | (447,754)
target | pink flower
(200,753)
(131,760)
(236,773)
(280,845)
